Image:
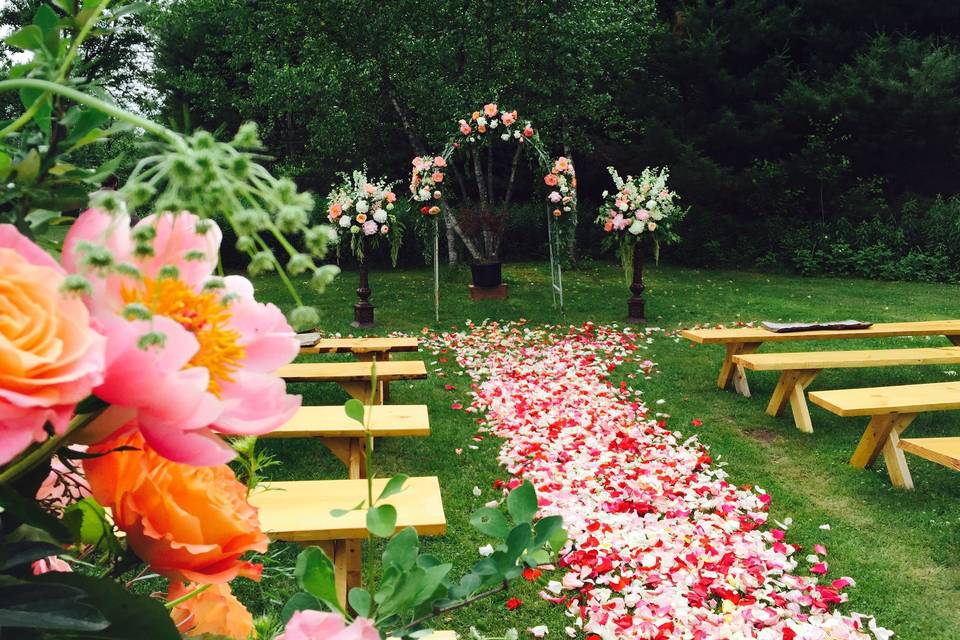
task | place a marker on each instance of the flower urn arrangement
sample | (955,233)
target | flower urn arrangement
(641,212)
(364,212)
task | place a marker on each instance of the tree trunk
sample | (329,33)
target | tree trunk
(513,174)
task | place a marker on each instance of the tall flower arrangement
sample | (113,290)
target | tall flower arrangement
(642,207)
(364,213)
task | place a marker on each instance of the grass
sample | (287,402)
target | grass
(902,548)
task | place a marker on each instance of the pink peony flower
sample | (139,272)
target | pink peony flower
(438,161)
(643,214)
(209,367)
(369,228)
(490,109)
(508,118)
(322,625)
(555,196)
(369,189)
(50,564)
(50,355)
(390,196)
(465,128)
(619,222)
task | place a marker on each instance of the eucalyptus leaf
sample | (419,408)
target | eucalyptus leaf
(298,602)
(315,575)
(382,520)
(522,502)
(401,551)
(354,410)
(360,601)
(393,487)
(491,522)
(29,38)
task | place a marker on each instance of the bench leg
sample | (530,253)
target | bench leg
(896,461)
(876,436)
(954,340)
(362,390)
(732,372)
(378,356)
(350,451)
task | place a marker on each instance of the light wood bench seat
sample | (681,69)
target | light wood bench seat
(363,348)
(800,368)
(354,377)
(891,410)
(945,451)
(299,512)
(345,437)
(749,339)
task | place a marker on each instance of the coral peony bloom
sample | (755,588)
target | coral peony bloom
(390,196)
(465,128)
(210,361)
(490,109)
(188,523)
(335,211)
(214,611)
(437,176)
(321,625)
(562,164)
(50,357)
(509,118)
(608,226)
(550,179)
(438,161)
(482,128)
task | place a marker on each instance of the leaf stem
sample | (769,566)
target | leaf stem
(186,596)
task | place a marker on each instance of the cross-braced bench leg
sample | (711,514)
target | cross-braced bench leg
(732,372)
(790,388)
(362,390)
(954,340)
(378,356)
(883,435)
(351,452)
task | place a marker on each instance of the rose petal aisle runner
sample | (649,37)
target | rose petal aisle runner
(662,546)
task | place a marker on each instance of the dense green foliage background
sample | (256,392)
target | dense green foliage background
(811,136)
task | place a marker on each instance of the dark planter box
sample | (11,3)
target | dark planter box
(487,275)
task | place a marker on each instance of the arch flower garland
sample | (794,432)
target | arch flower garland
(563,180)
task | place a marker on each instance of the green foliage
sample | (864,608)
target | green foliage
(415,587)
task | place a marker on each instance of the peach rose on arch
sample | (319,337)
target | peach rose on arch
(51,357)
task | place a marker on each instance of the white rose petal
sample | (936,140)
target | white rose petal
(486,550)
(477,491)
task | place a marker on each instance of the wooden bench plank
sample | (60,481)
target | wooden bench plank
(332,422)
(355,377)
(945,451)
(358,346)
(352,371)
(849,359)
(299,511)
(871,401)
(880,330)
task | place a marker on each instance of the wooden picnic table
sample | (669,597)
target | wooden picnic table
(743,340)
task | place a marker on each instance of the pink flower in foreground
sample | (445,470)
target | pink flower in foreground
(203,362)
(321,625)
(50,356)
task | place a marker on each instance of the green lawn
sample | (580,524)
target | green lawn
(902,548)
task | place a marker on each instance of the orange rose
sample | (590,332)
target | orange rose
(475,115)
(550,179)
(437,176)
(188,523)
(361,218)
(482,128)
(214,611)
(556,213)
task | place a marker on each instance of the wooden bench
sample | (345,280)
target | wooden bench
(749,339)
(355,377)
(362,348)
(945,451)
(891,410)
(345,437)
(799,370)
(300,512)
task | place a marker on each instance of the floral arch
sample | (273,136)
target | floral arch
(474,143)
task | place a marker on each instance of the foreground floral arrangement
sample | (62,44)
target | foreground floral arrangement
(662,546)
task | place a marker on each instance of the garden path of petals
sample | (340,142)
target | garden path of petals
(662,545)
